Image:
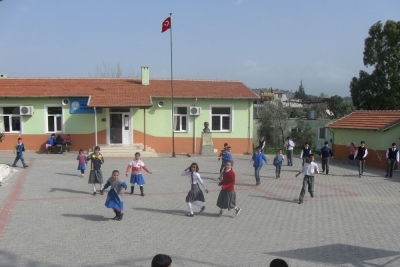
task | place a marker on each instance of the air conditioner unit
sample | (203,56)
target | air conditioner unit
(26,110)
(195,111)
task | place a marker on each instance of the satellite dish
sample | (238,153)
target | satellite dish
(330,113)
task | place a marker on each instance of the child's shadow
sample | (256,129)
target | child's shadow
(178,212)
(88,217)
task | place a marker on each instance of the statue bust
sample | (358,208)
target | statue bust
(206,129)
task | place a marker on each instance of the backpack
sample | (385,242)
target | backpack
(277,161)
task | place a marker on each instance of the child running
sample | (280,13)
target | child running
(227,195)
(195,194)
(96,176)
(82,162)
(221,155)
(227,157)
(257,160)
(136,166)
(114,197)
(278,162)
(309,169)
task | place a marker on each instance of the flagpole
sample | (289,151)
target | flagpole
(172,93)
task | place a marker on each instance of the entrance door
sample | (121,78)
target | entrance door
(120,126)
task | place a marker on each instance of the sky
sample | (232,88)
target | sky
(262,43)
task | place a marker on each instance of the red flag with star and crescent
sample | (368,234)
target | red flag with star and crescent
(166,25)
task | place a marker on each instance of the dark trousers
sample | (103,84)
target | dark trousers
(222,166)
(19,157)
(257,173)
(390,166)
(361,164)
(278,171)
(305,159)
(325,164)
(308,180)
(289,155)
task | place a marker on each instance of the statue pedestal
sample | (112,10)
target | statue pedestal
(207,148)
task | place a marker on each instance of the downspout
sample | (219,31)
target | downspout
(95,126)
(248,130)
(144,130)
(194,130)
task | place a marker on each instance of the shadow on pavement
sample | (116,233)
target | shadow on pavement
(340,255)
(295,200)
(69,191)
(179,212)
(68,174)
(88,217)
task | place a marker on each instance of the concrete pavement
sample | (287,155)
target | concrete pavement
(48,217)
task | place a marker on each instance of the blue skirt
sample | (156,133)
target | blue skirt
(114,200)
(137,178)
(81,167)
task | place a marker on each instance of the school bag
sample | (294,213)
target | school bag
(277,161)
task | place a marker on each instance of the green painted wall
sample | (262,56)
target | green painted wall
(36,124)
(373,139)
(159,119)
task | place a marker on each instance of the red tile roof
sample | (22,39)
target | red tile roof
(378,120)
(112,92)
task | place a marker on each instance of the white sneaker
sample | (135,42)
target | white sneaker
(238,211)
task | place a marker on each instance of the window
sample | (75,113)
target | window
(221,118)
(181,119)
(10,120)
(279,95)
(54,119)
(322,133)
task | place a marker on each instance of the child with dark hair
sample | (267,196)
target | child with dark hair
(361,154)
(136,167)
(114,197)
(352,150)
(309,169)
(305,152)
(96,176)
(227,195)
(19,148)
(221,155)
(227,157)
(278,263)
(257,160)
(161,260)
(392,155)
(82,162)
(289,145)
(325,153)
(195,194)
(278,162)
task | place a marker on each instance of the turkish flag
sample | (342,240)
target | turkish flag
(166,25)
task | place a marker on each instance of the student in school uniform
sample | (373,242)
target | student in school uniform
(392,155)
(289,145)
(360,154)
(325,154)
(309,169)
(305,152)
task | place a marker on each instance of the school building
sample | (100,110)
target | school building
(126,112)
(377,128)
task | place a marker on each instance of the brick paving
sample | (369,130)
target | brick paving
(48,217)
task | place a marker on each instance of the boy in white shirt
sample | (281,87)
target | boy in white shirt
(289,145)
(309,169)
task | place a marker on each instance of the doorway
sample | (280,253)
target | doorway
(120,126)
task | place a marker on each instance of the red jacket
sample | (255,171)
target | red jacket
(228,180)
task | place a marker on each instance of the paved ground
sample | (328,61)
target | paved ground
(48,217)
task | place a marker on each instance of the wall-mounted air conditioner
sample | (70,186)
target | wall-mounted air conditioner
(195,111)
(26,110)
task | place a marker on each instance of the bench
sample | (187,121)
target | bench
(57,149)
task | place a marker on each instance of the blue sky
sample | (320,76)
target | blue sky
(261,43)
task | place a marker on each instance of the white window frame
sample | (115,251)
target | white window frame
(221,116)
(20,117)
(319,130)
(46,126)
(179,115)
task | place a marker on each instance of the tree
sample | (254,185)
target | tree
(109,71)
(381,88)
(301,93)
(338,107)
(303,133)
(272,123)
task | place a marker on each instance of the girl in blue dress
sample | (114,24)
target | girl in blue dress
(114,197)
